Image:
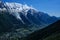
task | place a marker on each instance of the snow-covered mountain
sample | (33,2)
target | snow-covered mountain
(18,10)
(17,15)
(19,20)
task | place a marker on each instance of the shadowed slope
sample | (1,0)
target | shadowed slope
(41,34)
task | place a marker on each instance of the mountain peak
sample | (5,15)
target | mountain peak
(17,7)
(25,13)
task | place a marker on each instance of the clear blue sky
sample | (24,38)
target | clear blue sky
(52,7)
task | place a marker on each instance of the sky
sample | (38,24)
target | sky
(51,7)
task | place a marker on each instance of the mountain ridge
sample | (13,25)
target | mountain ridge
(12,12)
(45,32)
(16,21)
